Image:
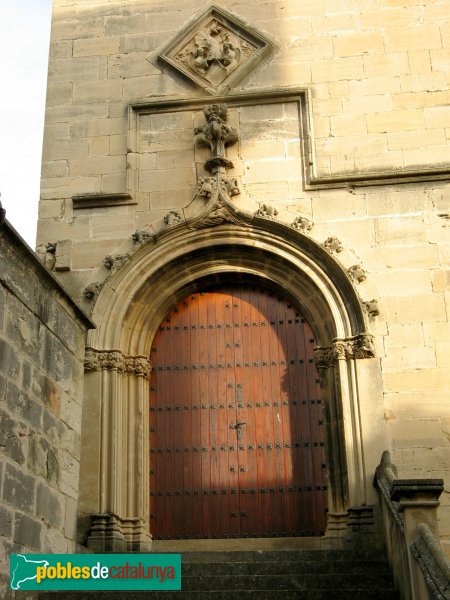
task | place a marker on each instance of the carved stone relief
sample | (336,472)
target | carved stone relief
(216,51)
(92,291)
(302,224)
(46,254)
(266,211)
(357,273)
(173,218)
(332,244)
(372,308)
(357,347)
(114,360)
(216,134)
(114,262)
(142,236)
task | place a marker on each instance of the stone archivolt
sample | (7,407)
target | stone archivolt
(114,360)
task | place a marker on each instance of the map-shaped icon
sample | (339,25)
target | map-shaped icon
(23,569)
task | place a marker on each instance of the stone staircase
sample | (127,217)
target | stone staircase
(264,575)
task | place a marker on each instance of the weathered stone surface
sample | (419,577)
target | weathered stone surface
(50,506)
(19,489)
(28,531)
(13,437)
(6,522)
(41,350)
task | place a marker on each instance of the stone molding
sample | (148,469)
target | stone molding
(356,347)
(101,200)
(114,360)
(112,533)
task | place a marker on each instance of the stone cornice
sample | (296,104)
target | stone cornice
(356,347)
(114,360)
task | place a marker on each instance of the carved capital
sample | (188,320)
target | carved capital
(324,357)
(114,360)
(139,366)
(107,360)
(356,347)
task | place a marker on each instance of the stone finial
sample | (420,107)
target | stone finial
(217,135)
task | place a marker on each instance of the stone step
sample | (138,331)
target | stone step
(279,556)
(264,575)
(294,567)
(285,582)
(275,594)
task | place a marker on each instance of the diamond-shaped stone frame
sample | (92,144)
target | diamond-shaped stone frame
(216,51)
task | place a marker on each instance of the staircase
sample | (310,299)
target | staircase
(264,575)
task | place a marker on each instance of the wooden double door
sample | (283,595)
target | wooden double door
(236,423)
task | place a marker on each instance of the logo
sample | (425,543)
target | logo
(95,572)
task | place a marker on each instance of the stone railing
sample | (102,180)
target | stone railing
(408,507)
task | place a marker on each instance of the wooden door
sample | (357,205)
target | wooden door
(236,434)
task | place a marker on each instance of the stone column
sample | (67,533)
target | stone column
(337,372)
(114,478)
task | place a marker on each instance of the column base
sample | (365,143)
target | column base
(111,533)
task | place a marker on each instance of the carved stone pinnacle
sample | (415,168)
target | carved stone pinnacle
(216,134)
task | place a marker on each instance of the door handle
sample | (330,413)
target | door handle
(237,427)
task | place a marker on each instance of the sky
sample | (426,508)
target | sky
(24,45)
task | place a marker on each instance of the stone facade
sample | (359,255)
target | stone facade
(340,170)
(42,336)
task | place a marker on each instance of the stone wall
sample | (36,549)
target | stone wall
(41,376)
(363,155)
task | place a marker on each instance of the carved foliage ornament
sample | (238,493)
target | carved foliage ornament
(216,51)
(359,346)
(114,360)
(216,134)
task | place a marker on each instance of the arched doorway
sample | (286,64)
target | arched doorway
(114,475)
(236,419)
